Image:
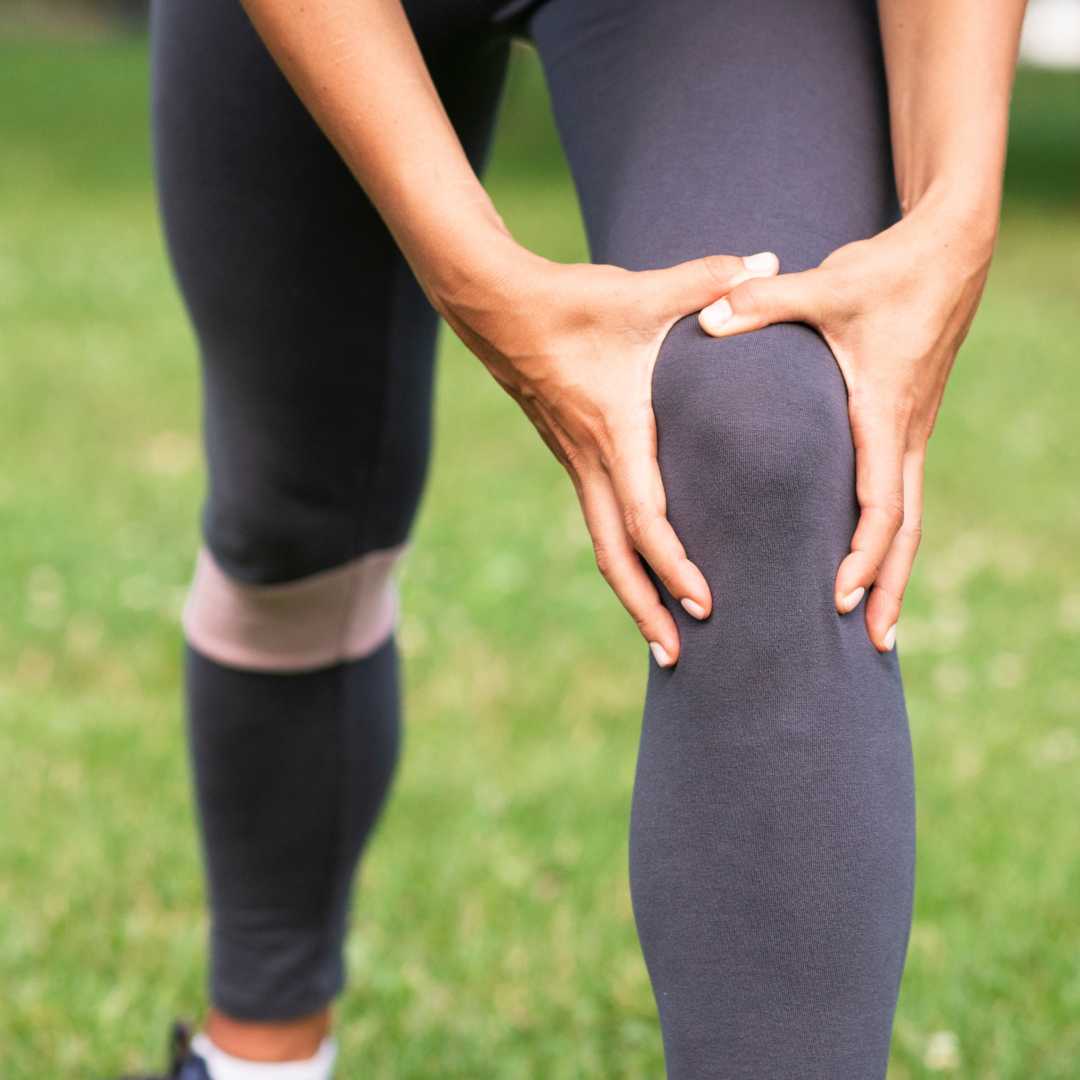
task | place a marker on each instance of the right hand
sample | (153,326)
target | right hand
(575,346)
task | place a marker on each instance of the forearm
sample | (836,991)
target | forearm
(950,66)
(356,66)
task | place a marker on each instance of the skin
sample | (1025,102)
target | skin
(285,1040)
(575,345)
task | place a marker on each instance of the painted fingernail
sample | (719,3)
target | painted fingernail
(890,638)
(850,602)
(660,654)
(693,607)
(764,262)
(715,315)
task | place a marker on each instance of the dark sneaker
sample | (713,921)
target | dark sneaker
(184,1064)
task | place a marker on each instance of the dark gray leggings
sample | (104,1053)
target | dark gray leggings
(772,835)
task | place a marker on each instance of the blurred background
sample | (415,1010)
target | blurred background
(493,934)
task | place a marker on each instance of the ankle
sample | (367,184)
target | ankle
(268,1041)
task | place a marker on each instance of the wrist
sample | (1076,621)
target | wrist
(963,217)
(479,269)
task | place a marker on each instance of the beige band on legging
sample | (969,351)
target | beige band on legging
(344,613)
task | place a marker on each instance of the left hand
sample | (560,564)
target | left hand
(894,309)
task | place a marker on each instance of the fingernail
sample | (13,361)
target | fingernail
(660,654)
(764,262)
(849,602)
(890,638)
(693,607)
(715,315)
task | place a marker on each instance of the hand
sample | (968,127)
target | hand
(575,346)
(894,309)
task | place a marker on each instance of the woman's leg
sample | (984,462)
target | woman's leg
(772,836)
(317,347)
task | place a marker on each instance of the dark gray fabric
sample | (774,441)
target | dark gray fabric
(316,341)
(772,834)
(290,772)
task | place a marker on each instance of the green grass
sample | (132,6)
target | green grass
(493,933)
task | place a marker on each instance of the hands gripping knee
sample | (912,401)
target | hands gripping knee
(576,347)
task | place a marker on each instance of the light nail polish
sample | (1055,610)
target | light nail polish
(890,638)
(660,654)
(693,607)
(764,262)
(715,315)
(850,602)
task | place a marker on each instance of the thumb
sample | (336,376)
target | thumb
(689,286)
(754,304)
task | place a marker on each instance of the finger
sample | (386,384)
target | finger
(616,557)
(763,301)
(635,476)
(690,286)
(621,568)
(879,488)
(887,595)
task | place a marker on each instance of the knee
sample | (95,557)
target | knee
(755,445)
(262,533)
(296,569)
(333,615)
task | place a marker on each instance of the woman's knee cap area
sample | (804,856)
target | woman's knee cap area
(753,426)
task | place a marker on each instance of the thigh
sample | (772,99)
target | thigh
(693,126)
(772,830)
(316,340)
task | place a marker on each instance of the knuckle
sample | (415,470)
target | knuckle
(889,512)
(571,454)
(721,268)
(750,294)
(636,517)
(606,438)
(879,526)
(603,559)
(893,513)
(912,532)
(840,291)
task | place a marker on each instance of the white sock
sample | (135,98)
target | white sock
(224,1066)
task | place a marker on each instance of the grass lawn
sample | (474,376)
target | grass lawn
(493,935)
